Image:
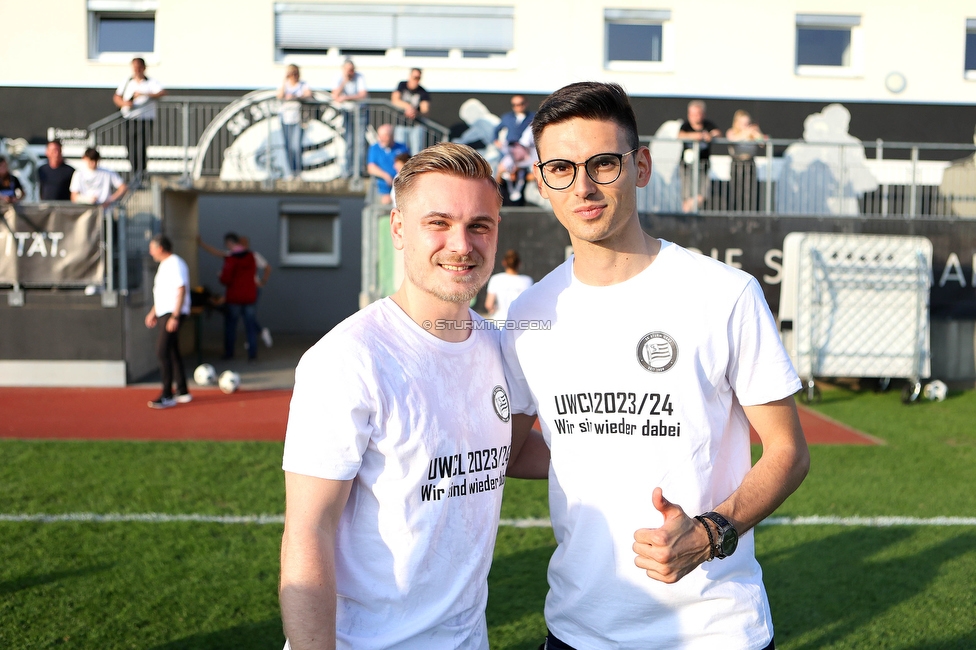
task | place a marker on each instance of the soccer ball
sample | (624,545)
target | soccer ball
(205,375)
(229,381)
(935,391)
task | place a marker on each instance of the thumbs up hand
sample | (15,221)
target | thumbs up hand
(670,552)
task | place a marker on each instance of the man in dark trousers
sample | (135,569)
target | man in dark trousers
(242,292)
(171,303)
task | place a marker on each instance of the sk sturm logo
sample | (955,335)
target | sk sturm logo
(499,399)
(657,352)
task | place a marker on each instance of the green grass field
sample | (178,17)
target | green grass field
(213,585)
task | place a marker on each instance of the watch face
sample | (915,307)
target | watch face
(729,541)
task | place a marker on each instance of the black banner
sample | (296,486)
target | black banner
(47,245)
(755,244)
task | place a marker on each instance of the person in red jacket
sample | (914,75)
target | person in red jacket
(242,292)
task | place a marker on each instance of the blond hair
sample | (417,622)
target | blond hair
(449,158)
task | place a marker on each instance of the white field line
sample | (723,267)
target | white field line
(261,520)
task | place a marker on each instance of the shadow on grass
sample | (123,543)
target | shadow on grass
(264,635)
(829,588)
(517,585)
(28,581)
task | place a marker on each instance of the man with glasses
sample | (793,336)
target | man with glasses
(655,365)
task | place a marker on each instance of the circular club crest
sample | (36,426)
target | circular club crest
(657,352)
(499,399)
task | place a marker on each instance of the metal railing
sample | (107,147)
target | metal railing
(795,177)
(244,138)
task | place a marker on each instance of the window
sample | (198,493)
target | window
(971,48)
(119,29)
(417,30)
(636,38)
(309,234)
(827,44)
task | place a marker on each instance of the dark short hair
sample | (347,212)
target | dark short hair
(512,260)
(91,153)
(232,237)
(57,142)
(589,100)
(417,70)
(163,242)
(403,157)
(140,60)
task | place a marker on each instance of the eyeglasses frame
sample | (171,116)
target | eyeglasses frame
(576,166)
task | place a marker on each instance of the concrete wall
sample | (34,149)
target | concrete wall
(307,300)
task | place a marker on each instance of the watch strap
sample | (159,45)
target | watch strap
(723,525)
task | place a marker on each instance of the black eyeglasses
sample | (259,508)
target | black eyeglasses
(603,169)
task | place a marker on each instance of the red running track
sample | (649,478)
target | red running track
(123,414)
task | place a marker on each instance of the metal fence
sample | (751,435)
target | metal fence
(244,138)
(785,177)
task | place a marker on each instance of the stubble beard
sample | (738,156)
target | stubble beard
(464,288)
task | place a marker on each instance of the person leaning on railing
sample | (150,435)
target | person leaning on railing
(349,90)
(292,91)
(11,190)
(94,185)
(743,190)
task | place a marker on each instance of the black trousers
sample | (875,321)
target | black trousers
(168,355)
(552,643)
(137,138)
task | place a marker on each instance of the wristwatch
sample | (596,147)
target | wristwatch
(727,537)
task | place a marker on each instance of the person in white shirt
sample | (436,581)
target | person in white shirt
(293,89)
(136,99)
(94,185)
(505,287)
(349,90)
(171,304)
(646,367)
(399,438)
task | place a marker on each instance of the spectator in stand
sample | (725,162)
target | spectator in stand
(11,190)
(698,130)
(350,89)
(292,91)
(238,275)
(380,160)
(504,288)
(517,149)
(398,162)
(94,185)
(55,175)
(414,101)
(136,100)
(743,189)
(171,303)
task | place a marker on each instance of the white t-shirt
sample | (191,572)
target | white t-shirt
(172,274)
(94,185)
(423,428)
(506,287)
(291,110)
(640,385)
(352,86)
(143,108)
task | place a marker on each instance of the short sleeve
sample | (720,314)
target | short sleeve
(116,179)
(372,156)
(520,397)
(121,89)
(75,184)
(360,83)
(760,370)
(330,420)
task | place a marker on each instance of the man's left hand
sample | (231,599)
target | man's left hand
(672,551)
(173,324)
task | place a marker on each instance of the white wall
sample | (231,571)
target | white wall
(716,48)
